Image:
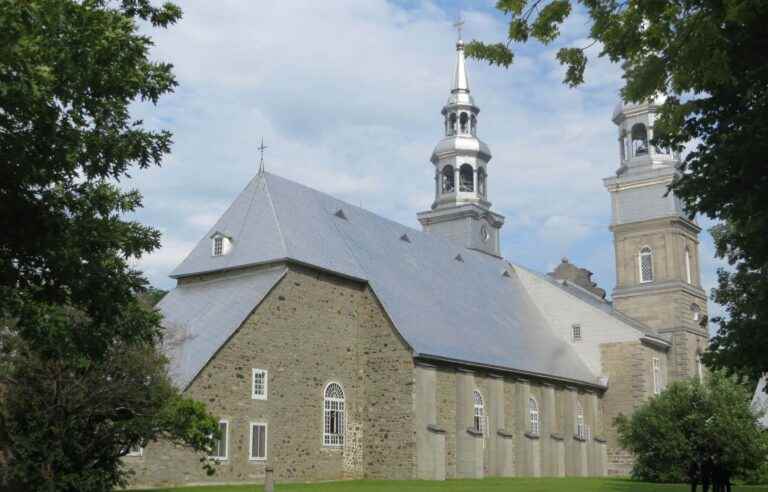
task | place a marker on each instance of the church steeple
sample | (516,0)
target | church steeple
(461,209)
(656,242)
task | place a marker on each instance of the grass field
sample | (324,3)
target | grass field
(485,485)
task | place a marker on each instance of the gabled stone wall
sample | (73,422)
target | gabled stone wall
(311,329)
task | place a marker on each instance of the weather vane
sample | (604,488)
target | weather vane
(261,148)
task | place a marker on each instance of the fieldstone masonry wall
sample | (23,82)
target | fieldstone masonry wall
(311,329)
(629,366)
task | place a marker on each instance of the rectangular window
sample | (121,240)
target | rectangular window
(258,448)
(576,332)
(218,246)
(259,384)
(699,368)
(220,446)
(656,376)
(135,451)
(646,265)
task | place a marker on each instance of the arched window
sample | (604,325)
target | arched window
(333,415)
(533,415)
(448,180)
(688,277)
(481,182)
(473,124)
(646,264)
(580,430)
(695,312)
(452,124)
(463,122)
(479,419)
(466,178)
(639,140)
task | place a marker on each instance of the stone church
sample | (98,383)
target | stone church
(333,343)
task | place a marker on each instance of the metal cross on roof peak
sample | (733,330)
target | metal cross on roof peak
(261,148)
(459,25)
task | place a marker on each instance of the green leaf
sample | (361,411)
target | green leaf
(495,54)
(546,26)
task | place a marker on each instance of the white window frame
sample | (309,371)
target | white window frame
(656,374)
(217,248)
(337,439)
(226,440)
(251,457)
(533,416)
(576,334)
(265,374)
(135,454)
(478,420)
(220,244)
(580,430)
(688,276)
(645,251)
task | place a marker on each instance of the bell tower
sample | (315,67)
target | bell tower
(657,246)
(461,210)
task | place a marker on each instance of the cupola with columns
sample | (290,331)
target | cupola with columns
(461,210)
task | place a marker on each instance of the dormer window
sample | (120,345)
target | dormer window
(220,245)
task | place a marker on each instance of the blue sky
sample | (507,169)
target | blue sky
(347,96)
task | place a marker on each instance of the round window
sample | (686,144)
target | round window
(484,233)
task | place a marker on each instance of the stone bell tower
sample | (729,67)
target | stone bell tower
(658,280)
(461,210)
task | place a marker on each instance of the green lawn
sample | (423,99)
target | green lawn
(486,485)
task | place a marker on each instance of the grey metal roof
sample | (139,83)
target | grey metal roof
(459,310)
(200,317)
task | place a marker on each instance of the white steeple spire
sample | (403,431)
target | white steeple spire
(461,209)
(460,78)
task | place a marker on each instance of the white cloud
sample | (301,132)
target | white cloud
(347,96)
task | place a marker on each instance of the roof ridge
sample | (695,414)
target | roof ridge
(353,207)
(343,237)
(274,214)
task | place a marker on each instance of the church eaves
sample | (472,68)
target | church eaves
(445,310)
